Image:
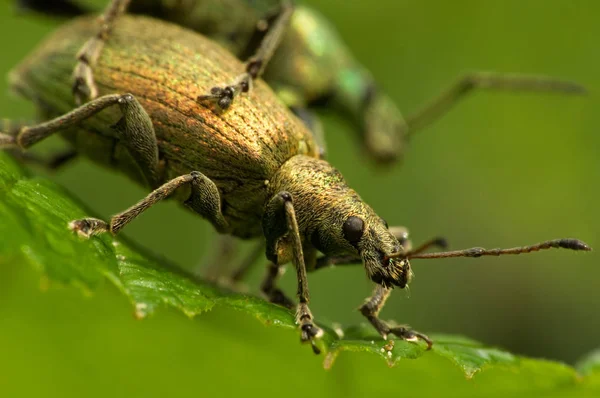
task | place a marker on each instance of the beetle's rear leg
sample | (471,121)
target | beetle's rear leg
(269,288)
(224,254)
(204,199)
(135,131)
(224,96)
(371,308)
(284,243)
(248,262)
(84,88)
(219,257)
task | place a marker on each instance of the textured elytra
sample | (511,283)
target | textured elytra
(166,67)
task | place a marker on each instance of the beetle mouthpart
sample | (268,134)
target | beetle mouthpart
(87,227)
(398,273)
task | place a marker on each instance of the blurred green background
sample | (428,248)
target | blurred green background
(500,170)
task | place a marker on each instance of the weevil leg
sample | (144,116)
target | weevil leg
(224,96)
(258,62)
(204,199)
(53,162)
(220,256)
(470,82)
(371,308)
(282,234)
(84,88)
(401,233)
(224,254)
(135,129)
(269,288)
(438,242)
(13,127)
(248,262)
(56,8)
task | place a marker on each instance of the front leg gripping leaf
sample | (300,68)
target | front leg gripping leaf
(282,235)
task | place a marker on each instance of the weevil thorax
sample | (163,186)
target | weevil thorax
(333,219)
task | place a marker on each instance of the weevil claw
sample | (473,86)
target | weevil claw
(84,89)
(86,227)
(311,333)
(411,335)
(315,349)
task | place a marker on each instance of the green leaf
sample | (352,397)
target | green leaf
(34,214)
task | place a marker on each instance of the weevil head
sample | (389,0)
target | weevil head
(359,231)
(334,219)
(384,129)
(376,248)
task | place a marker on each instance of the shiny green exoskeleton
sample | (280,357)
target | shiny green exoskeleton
(253,172)
(312,66)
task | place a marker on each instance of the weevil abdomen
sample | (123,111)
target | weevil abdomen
(165,67)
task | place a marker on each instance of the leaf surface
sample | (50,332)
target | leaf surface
(34,214)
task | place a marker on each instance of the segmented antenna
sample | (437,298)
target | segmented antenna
(571,244)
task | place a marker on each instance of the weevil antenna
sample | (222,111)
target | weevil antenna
(439,242)
(572,244)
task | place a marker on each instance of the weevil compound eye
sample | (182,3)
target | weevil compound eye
(353,229)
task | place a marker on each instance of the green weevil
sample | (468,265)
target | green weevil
(311,65)
(254,172)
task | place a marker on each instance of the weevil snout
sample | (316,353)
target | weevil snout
(392,272)
(385,131)
(377,249)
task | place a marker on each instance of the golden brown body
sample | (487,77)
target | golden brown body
(165,67)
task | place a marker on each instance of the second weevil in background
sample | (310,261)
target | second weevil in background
(254,172)
(310,65)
